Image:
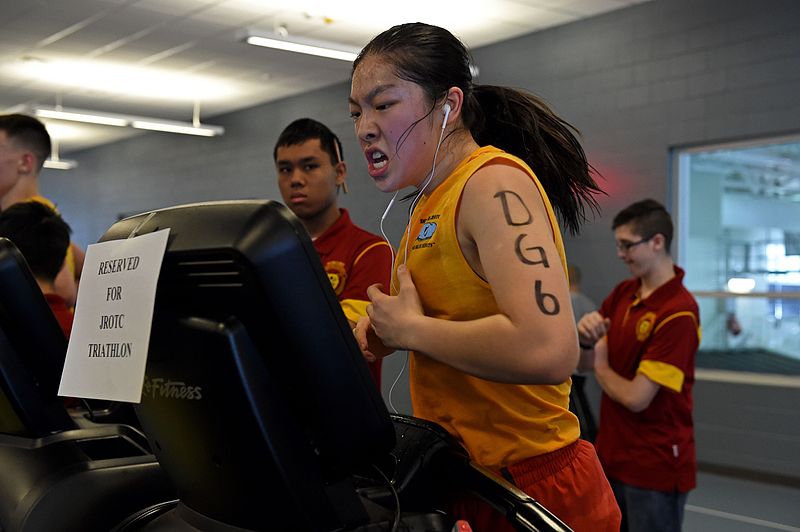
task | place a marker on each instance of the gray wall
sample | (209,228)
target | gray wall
(747,426)
(636,82)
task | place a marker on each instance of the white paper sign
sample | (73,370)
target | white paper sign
(107,351)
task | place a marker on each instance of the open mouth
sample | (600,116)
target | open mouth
(378,159)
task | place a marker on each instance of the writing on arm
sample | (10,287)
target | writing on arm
(517,214)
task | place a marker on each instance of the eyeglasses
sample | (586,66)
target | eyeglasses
(625,246)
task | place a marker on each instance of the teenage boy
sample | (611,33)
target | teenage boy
(311,171)
(642,343)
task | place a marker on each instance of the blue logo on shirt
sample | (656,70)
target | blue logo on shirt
(427,231)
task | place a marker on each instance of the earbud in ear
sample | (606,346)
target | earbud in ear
(446,109)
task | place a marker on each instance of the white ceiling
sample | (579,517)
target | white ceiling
(157,58)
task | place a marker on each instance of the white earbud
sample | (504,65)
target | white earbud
(446,109)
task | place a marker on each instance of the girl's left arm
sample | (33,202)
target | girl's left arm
(506,236)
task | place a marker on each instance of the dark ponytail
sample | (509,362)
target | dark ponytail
(512,120)
(522,124)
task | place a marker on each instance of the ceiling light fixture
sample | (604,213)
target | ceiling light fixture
(300,45)
(89,117)
(56,162)
(60,164)
(120,120)
(177,127)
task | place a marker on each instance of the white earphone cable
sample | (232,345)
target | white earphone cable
(408,236)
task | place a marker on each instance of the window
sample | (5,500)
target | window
(738,225)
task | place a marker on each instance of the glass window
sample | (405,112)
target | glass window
(738,227)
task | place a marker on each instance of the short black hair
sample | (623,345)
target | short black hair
(40,234)
(648,218)
(28,132)
(304,129)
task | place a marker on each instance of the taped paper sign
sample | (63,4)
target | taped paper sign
(107,352)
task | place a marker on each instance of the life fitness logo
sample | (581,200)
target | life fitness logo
(168,389)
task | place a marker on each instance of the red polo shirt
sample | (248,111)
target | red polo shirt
(354,259)
(658,337)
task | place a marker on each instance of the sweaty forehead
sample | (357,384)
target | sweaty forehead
(371,77)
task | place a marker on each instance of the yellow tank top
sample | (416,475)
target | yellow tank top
(499,424)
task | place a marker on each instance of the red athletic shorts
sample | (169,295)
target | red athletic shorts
(569,482)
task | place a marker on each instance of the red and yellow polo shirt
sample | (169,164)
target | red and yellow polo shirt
(354,259)
(658,337)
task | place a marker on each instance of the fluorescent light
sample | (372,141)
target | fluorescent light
(741,285)
(90,117)
(178,127)
(302,48)
(300,45)
(60,164)
(120,120)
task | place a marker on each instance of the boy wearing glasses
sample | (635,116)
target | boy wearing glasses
(642,344)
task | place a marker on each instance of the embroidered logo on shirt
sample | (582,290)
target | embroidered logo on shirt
(645,326)
(427,231)
(337,275)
